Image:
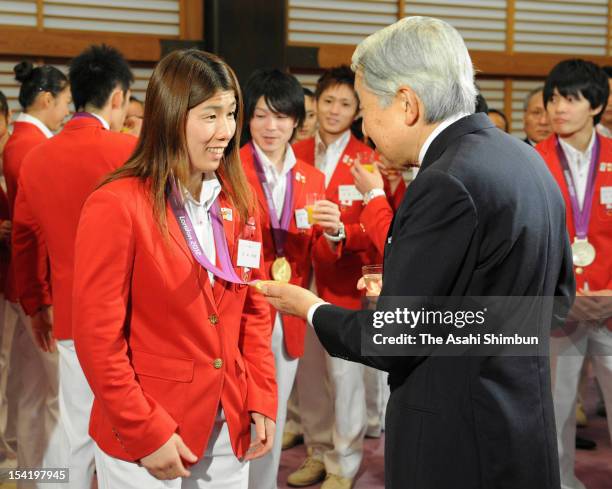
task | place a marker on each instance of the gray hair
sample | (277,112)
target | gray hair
(426,54)
(531,94)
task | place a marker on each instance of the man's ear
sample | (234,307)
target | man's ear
(409,104)
(596,110)
(117,98)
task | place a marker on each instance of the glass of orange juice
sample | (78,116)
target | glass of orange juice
(311,199)
(372,276)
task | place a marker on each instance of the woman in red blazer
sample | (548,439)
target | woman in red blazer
(274,107)
(44,96)
(174,343)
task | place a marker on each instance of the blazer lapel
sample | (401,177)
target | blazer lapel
(177,235)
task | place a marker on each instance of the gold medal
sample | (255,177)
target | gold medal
(281,270)
(583,252)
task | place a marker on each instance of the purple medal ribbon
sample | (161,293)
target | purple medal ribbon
(226,272)
(83,115)
(279,226)
(581,216)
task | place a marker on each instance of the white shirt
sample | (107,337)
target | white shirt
(277,181)
(327,157)
(604,131)
(579,163)
(30,119)
(199,213)
(443,125)
(102,120)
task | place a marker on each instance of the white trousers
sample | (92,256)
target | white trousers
(9,385)
(37,392)
(332,407)
(218,469)
(263,473)
(568,356)
(293,423)
(75,447)
(377,395)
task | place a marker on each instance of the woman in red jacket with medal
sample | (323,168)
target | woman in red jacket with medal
(175,345)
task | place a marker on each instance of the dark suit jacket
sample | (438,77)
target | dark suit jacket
(483,218)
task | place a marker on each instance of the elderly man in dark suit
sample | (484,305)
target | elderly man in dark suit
(482,218)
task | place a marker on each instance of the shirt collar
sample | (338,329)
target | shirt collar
(211,188)
(288,163)
(443,125)
(573,153)
(341,142)
(30,119)
(102,120)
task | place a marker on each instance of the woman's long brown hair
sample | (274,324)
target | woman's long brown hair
(181,81)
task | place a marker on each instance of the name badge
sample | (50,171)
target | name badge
(301,219)
(348,193)
(249,253)
(606,195)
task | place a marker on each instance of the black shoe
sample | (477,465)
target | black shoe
(584,444)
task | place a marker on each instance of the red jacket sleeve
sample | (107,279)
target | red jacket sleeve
(30,258)
(376,218)
(104,255)
(255,345)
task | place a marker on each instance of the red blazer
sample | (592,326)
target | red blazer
(56,179)
(298,247)
(5,249)
(599,273)
(24,138)
(160,348)
(336,274)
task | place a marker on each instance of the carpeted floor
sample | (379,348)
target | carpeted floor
(593,468)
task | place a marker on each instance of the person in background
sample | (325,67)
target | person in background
(333,412)
(605,125)
(575,95)
(7,414)
(308,127)
(274,108)
(134,116)
(44,96)
(56,178)
(173,340)
(535,118)
(499,119)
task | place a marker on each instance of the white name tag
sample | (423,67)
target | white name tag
(348,193)
(606,195)
(301,219)
(249,253)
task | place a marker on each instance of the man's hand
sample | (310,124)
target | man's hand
(373,291)
(592,305)
(42,326)
(264,436)
(366,181)
(5,231)
(289,298)
(327,215)
(166,462)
